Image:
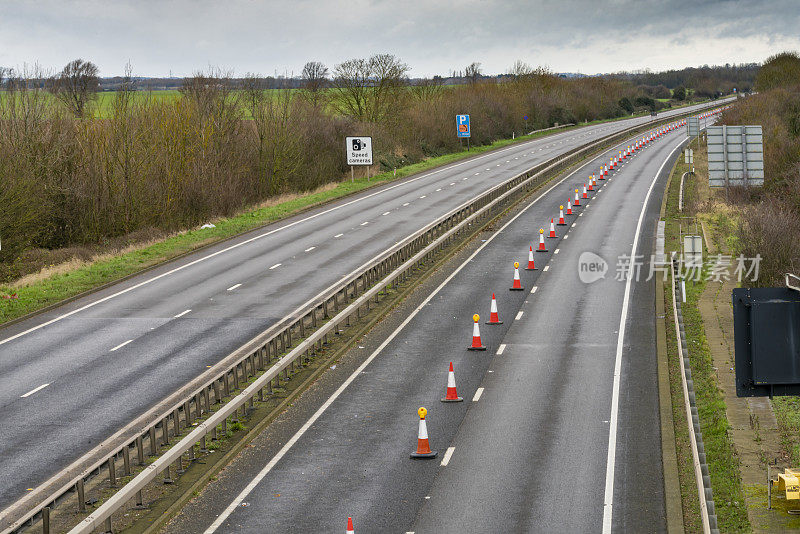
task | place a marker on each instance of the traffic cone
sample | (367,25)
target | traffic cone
(493,317)
(476,335)
(541,241)
(569,207)
(594,179)
(577,200)
(531,266)
(423,448)
(590,183)
(350,526)
(451,395)
(517,284)
(561,216)
(552,234)
(585,195)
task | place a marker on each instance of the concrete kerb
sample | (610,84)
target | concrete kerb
(522,178)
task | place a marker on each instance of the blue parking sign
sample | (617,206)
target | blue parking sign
(462,125)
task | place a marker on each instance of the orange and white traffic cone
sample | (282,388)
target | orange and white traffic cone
(594,179)
(423,447)
(494,318)
(569,207)
(517,284)
(590,183)
(350,526)
(577,200)
(451,395)
(585,195)
(552,234)
(561,216)
(476,335)
(541,248)
(531,266)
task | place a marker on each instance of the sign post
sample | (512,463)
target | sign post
(359,152)
(462,128)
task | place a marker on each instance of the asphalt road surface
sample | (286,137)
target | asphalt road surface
(528,449)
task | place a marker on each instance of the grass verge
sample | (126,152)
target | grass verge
(723,463)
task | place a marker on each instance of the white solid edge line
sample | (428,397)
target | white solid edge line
(608,498)
(275,266)
(181,314)
(34,390)
(519,315)
(477,396)
(234,287)
(121,345)
(447,455)
(501,348)
(303,429)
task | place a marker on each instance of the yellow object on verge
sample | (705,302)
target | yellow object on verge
(422,412)
(476,317)
(789,481)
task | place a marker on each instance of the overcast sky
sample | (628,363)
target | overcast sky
(431,36)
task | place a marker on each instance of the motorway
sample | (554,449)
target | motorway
(73,376)
(559,430)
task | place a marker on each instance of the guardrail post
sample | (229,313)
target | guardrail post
(139,499)
(126,460)
(153,444)
(112,472)
(187,413)
(140,449)
(46,520)
(217,395)
(81,495)
(235,372)
(165,430)
(167,478)
(226,385)
(108,526)
(176,423)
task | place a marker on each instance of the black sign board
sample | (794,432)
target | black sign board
(766,331)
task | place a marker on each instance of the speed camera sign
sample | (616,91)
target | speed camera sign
(359,150)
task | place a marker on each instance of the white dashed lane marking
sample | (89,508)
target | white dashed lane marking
(234,287)
(34,390)
(478,393)
(500,349)
(447,455)
(519,315)
(181,314)
(338,235)
(278,264)
(121,345)
(309,249)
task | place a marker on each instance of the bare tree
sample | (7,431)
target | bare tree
(369,90)
(315,80)
(520,69)
(473,72)
(76,85)
(428,89)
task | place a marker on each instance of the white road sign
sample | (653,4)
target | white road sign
(359,150)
